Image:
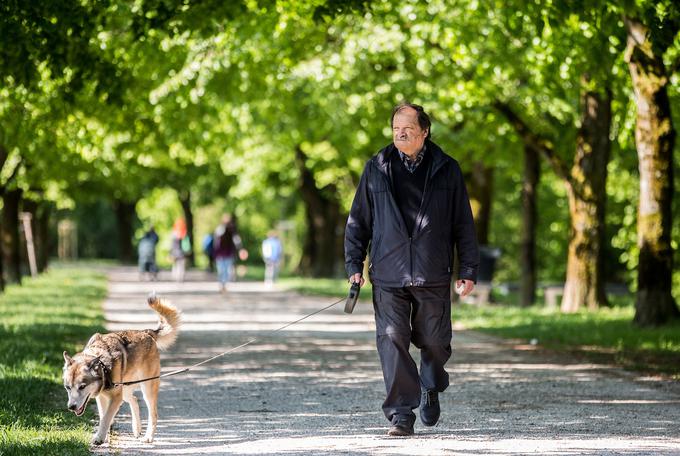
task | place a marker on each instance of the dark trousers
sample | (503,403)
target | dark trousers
(417,315)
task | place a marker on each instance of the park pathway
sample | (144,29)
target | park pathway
(316,388)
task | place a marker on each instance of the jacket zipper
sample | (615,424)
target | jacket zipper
(410,249)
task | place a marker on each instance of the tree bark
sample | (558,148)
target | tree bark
(10,235)
(2,261)
(655,140)
(185,201)
(125,216)
(480,187)
(531,177)
(586,190)
(3,158)
(42,235)
(323,243)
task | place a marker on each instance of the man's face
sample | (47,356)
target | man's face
(406,133)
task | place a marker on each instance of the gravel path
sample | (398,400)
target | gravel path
(317,387)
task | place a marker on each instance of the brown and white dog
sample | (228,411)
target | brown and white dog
(119,357)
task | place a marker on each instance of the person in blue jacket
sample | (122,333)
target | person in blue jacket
(272,254)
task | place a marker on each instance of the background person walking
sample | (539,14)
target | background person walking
(272,253)
(226,243)
(180,247)
(146,253)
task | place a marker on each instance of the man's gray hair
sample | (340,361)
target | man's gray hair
(423,118)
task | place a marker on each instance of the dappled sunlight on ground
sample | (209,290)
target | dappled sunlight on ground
(317,387)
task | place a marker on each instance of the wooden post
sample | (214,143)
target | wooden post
(25,218)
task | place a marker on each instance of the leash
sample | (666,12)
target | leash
(231,350)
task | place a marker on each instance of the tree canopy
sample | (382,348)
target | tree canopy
(269,109)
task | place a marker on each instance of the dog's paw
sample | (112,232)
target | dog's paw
(148,439)
(97,440)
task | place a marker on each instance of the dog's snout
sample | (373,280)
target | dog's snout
(72,406)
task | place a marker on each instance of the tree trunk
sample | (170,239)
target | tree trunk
(586,190)
(322,253)
(2,261)
(10,235)
(125,216)
(185,200)
(42,235)
(531,177)
(654,139)
(3,158)
(480,187)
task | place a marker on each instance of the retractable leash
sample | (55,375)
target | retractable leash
(352,297)
(351,301)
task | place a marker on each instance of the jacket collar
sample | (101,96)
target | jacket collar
(382,160)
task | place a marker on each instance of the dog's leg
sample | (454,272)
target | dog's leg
(102,405)
(129,397)
(150,392)
(110,408)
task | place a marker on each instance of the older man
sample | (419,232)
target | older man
(411,205)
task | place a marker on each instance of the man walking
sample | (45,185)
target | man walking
(411,205)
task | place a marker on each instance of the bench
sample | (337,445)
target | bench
(551,294)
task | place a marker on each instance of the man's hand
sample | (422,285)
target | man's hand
(356,278)
(464,287)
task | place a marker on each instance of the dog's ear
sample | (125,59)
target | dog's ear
(67,359)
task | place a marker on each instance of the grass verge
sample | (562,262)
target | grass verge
(606,335)
(322,287)
(39,320)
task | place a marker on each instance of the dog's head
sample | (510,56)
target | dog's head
(83,380)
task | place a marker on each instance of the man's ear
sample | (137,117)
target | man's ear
(67,359)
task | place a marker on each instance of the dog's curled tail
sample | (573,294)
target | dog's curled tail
(170,321)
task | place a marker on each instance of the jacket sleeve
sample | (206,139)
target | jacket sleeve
(358,230)
(463,230)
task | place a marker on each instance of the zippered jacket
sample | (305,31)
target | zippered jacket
(444,221)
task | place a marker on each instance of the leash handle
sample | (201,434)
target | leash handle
(352,297)
(233,349)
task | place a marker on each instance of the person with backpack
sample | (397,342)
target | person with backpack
(208,246)
(146,253)
(226,244)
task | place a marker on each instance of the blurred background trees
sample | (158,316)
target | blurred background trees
(116,115)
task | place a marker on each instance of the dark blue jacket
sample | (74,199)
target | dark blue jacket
(426,257)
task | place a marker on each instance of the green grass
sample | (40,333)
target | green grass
(322,287)
(55,312)
(606,335)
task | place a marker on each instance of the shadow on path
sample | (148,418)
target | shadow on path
(317,387)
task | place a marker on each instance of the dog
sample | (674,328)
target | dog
(121,357)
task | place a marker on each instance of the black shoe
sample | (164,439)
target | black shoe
(429,408)
(402,426)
